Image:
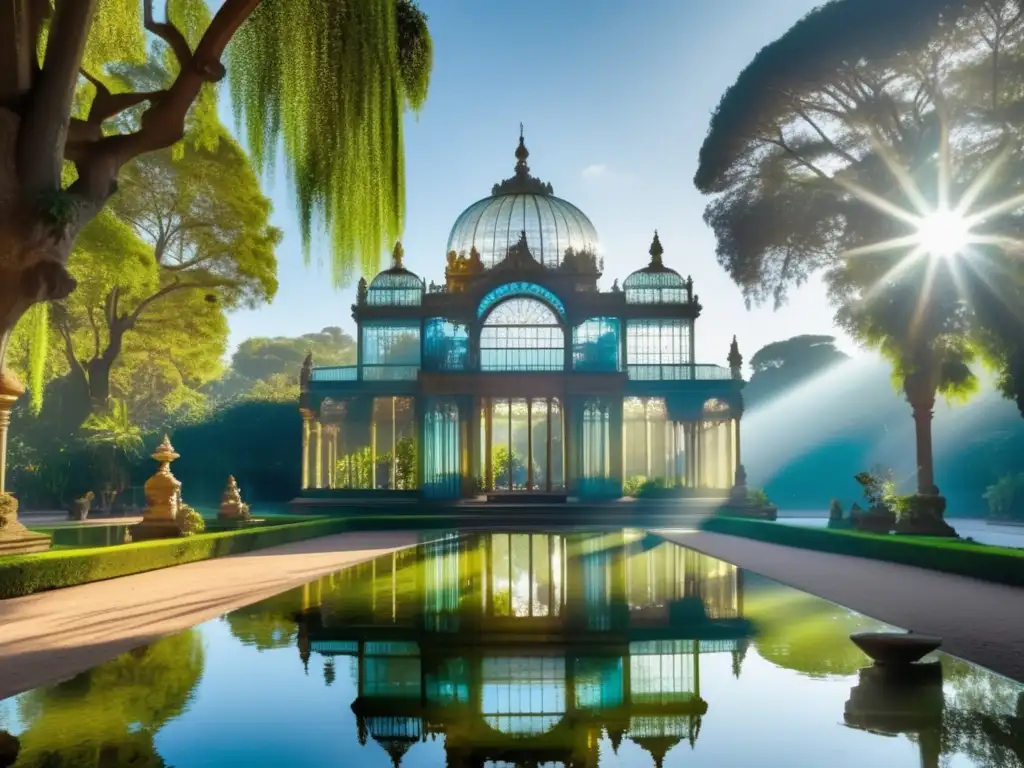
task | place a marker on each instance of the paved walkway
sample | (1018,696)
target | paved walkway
(979,621)
(50,636)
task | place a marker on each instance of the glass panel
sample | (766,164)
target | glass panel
(391,351)
(445,345)
(353,468)
(442,476)
(595,345)
(647,442)
(522,334)
(658,349)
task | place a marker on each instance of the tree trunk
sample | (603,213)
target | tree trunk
(921,396)
(99,367)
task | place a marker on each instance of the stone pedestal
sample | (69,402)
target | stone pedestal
(15,538)
(163,499)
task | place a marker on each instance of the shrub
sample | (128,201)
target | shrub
(632,485)
(25,574)
(758,497)
(189,521)
(8,509)
(997,564)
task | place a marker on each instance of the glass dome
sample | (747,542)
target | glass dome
(520,204)
(656,283)
(396,286)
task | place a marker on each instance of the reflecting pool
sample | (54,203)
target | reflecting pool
(495,650)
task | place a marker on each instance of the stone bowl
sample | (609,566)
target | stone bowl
(895,648)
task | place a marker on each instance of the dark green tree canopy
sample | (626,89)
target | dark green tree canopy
(782,365)
(259,358)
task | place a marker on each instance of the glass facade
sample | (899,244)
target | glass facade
(658,349)
(391,351)
(445,345)
(596,345)
(493,225)
(522,334)
(518,374)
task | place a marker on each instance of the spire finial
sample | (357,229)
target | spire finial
(398,254)
(656,251)
(521,154)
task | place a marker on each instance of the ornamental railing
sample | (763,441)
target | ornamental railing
(336,373)
(683,372)
(390,372)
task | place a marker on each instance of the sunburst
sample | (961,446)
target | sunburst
(946,232)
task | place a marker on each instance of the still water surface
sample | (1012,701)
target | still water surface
(513,649)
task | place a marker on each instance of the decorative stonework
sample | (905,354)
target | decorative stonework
(232,508)
(163,499)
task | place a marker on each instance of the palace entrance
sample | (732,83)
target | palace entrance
(522,446)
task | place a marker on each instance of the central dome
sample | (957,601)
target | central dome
(517,205)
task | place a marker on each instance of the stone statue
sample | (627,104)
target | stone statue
(307,371)
(615,286)
(361,290)
(231,505)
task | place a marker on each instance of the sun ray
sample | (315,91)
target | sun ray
(893,273)
(899,172)
(1010,204)
(883,246)
(981,181)
(878,202)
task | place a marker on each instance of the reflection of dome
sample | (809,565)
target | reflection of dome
(396,286)
(521,204)
(655,283)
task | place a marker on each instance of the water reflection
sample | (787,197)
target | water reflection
(517,649)
(529,646)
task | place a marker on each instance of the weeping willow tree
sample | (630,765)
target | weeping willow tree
(326,82)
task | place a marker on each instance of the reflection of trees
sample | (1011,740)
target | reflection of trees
(801,632)
(266,625)
(109,715)
(984,716)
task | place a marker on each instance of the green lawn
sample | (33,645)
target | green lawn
(981,561)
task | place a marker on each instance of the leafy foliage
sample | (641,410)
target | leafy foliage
(330,81)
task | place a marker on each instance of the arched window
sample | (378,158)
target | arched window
(522,334)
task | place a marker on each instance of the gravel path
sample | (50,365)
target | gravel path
(51,636)
(979,621)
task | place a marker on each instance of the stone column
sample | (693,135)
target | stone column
(739,456)
(615,445)
(307,417)
(15,538)
(10,390)
(319,461)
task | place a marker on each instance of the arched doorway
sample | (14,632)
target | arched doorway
(521,438)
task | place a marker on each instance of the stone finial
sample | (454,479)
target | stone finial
(163,498)
(398,255)
(361,290)
(735,360)
(231,506)
(656,251)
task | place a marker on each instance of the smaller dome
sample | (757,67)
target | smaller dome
(396,286)
(656,283)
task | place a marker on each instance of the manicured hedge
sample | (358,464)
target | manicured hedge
(26,574)
(999,564)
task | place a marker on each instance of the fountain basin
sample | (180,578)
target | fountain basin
(895,648)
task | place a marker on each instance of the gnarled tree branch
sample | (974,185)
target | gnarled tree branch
(167,32)
(44,129)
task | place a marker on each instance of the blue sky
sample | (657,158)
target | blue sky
(615,97)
